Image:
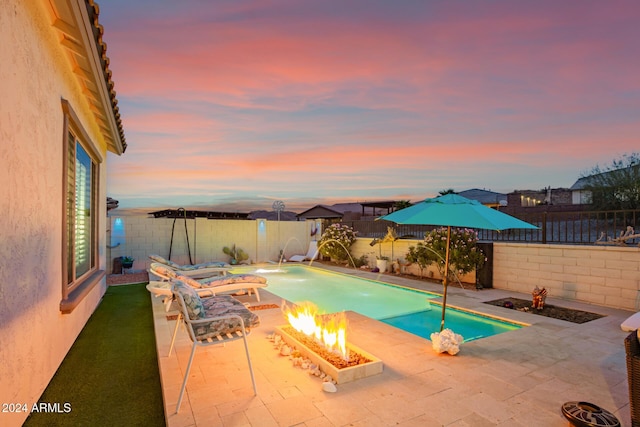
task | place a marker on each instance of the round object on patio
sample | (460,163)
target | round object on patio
(585,414)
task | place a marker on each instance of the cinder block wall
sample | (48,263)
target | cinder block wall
(206,238)
(602,275)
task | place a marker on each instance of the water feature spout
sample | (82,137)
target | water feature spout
(282,252)
(338,242)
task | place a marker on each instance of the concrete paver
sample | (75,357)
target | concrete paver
(516,378)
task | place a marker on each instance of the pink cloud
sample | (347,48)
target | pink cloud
(394,98)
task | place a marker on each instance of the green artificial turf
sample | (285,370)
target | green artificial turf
(110,376)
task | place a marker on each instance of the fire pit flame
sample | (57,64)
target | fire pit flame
(328,330)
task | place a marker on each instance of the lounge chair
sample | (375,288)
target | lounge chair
(211,285)
(312,253)
(204,269)
(209,321)
(632,323)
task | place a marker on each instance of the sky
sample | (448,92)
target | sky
(231,105)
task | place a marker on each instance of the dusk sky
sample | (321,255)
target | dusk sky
(231,105)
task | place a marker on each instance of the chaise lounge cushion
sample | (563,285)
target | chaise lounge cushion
(193,303)
(223,305)
(163,271)
(187,267)
(230,279)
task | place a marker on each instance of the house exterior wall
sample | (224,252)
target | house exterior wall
(34,76)
(581,197)
(145,236)
(559,196)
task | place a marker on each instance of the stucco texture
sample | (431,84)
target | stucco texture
(35,75)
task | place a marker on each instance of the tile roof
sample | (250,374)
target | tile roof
(82,38)
(98,31)
(484,196)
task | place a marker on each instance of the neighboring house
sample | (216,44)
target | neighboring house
(579,193)
(349,211)
(321,212)
(58,120)
(486,197)
(621,184)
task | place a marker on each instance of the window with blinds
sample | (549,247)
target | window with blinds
(80,211)
(81,240)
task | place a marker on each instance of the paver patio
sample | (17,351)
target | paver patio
(518,378)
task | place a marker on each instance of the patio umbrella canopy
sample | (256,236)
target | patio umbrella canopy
(452,210)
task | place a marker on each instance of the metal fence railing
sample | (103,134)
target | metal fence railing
(581,228)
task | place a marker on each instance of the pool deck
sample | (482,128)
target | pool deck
(518,378)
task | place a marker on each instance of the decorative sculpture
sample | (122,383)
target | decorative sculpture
(446,341)
(621,240)
(539,298)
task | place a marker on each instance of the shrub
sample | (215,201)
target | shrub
(464,255)
(363,260)
(418,255)
(336,241)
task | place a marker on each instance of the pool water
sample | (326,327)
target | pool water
(404,308)
(470,326)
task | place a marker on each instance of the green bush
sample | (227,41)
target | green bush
(464,255)
(336,241)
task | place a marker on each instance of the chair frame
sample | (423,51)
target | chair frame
(183,316)
(632,350)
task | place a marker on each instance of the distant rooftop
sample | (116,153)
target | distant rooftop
(485,197)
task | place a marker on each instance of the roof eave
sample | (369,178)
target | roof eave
(82,38)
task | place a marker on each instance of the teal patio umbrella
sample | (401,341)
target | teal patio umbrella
(452,210)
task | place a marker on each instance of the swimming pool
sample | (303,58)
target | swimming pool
(404,308)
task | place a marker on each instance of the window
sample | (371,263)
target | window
(80,252)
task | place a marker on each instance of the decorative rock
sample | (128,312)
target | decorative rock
(446,341)
(285,350)
(329,387)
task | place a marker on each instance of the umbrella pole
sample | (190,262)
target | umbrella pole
(445,282)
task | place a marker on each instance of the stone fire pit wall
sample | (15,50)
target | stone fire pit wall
(340,375)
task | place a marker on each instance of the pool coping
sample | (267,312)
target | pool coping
(507,379)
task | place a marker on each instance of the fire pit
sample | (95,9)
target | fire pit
(322,339)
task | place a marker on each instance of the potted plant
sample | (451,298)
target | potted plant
(127,261)
(236,255)
(381,263)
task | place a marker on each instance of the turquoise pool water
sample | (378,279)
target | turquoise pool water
(403,308)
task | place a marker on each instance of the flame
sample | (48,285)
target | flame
(329,330)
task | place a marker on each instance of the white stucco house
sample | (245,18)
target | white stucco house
(58,119)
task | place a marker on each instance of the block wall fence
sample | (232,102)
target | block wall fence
(602,275)
(138,236)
